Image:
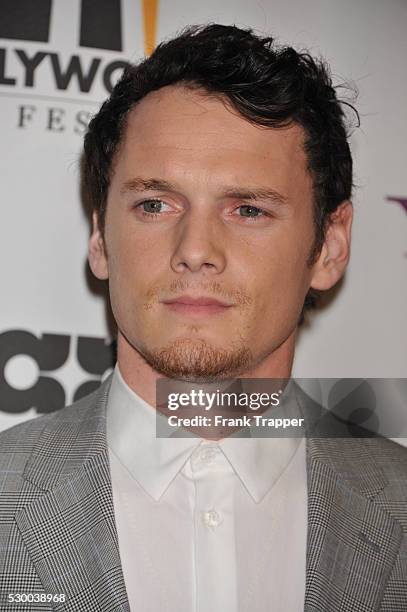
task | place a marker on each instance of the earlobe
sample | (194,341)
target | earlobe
(335,252)
(97,251)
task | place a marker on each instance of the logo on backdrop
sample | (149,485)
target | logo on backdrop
(100,22)
(40,386)
(98,27)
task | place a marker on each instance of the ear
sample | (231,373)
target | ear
(335,252)
(97,251)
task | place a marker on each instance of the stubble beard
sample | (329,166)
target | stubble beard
(195,360)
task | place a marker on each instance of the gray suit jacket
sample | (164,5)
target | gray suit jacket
(58,533)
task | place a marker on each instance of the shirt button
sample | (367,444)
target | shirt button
(211,519)
(204,457)
(208,454)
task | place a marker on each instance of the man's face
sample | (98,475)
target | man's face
(203,204)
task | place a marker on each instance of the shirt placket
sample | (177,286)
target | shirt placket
(214,529)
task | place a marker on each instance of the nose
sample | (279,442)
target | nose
(199,246)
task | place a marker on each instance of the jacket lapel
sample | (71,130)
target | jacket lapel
(69,530)
(352,542)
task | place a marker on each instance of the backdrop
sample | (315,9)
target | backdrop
(58,61)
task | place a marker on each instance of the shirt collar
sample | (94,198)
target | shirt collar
(259,462)
(154,462)
(131,435)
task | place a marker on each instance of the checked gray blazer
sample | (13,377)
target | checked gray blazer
(58,533)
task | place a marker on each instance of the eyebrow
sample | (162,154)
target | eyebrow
(240,193)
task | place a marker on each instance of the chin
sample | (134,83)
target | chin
(197,360)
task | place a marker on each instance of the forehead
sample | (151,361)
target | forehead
(178,127)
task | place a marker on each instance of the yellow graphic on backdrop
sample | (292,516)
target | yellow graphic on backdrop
(150,12)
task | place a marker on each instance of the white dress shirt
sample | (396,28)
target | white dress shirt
(206,526)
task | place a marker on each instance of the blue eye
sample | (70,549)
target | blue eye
(249,210)
(253,214)
(151,206)
(151,209)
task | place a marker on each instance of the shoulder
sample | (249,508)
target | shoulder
(390,456)
(362,448)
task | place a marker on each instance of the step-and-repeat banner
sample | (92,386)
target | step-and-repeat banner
(58,60)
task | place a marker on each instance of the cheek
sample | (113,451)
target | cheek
(131,257)
(279,282)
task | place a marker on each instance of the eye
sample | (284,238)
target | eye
(151,206)
(251,212)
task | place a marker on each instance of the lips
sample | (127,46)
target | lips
(187,305)
(200,301)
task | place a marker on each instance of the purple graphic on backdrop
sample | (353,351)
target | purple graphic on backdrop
(398,200)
